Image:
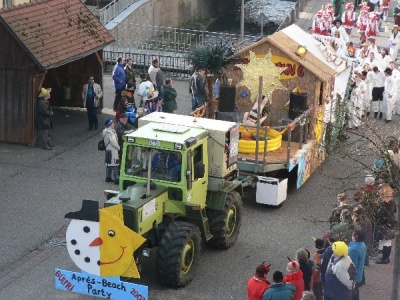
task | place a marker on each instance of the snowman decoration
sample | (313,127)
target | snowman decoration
(99,243)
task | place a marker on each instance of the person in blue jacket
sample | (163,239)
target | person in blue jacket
(357,253)
(279,290)
(118,77)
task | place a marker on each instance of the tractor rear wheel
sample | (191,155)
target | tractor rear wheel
(178,254)
(225,224)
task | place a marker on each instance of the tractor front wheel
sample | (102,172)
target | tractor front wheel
(178,254)
(225,224)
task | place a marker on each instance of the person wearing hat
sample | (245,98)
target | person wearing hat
(340,275)
(357,66)
(317,23)
(294,276)
(372,29)
(43,121)
(279,290)
(362,22)
(258,284)
(112,148)
(91,95)
(349,18)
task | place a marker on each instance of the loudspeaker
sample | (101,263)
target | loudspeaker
(297,104)
(227,95)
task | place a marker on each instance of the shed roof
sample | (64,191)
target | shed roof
(288,39)
(55,32)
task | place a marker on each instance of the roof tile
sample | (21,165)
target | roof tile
(56,31)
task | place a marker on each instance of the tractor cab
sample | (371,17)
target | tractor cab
(171,156)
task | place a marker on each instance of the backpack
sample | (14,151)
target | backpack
(101,146)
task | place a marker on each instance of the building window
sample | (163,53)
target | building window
(7,3)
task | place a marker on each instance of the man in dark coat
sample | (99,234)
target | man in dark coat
(43,122)
(123,127)
(169,96)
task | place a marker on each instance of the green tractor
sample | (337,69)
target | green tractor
(178,186)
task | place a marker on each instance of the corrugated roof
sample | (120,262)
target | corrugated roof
(55,32)
(313,61)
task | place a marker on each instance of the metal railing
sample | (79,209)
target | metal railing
(172,65)
(113,9)
(160,38)
(172,44)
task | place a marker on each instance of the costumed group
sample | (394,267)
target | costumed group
(375,79)
(362,225)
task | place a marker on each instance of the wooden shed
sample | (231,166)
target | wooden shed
(314,73)
(46,43)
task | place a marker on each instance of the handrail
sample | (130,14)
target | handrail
(114,8)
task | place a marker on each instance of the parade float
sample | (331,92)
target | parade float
(306,90)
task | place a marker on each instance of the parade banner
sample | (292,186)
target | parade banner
(101,287)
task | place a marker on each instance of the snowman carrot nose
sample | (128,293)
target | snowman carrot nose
(96,242)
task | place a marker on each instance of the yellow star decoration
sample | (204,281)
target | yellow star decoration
(261,67)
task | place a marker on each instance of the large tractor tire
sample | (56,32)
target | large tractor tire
(178,254)
(225,224)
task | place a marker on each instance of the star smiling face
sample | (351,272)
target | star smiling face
(116,249)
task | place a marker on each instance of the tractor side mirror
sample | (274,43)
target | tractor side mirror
(199,170)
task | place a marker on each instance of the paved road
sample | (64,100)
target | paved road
(38,187)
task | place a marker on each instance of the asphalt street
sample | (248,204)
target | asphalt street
(39,187)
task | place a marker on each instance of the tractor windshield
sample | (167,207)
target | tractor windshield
(165,164)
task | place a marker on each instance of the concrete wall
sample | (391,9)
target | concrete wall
(169,13)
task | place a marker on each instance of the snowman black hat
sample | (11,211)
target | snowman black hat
(88,212)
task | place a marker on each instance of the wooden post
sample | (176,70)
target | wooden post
(260,83)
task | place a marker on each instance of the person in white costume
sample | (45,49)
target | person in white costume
(356,102)
(388,97)
(394,42)
(377,81)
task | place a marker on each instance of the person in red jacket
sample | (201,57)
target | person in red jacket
(258,284)
(295,276)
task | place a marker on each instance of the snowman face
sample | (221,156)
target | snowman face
(80,234)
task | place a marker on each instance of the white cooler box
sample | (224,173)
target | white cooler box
(271,191)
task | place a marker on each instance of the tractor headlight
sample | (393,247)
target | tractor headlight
(131,139)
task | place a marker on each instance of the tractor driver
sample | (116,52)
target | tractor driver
(167,163)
